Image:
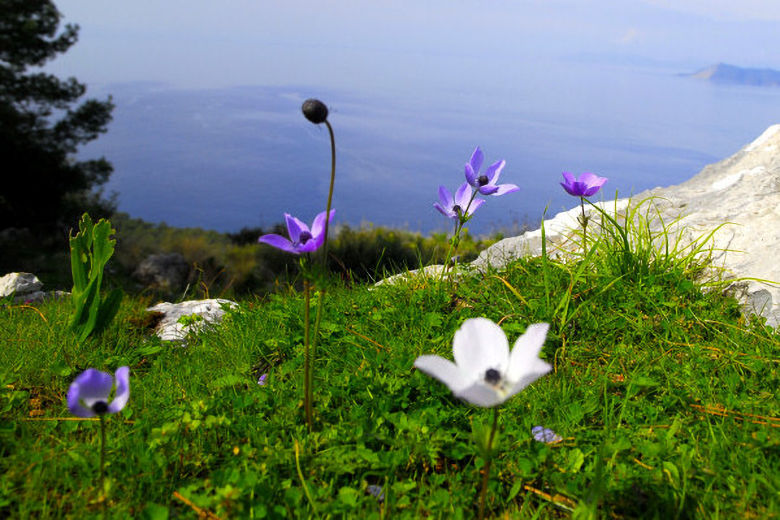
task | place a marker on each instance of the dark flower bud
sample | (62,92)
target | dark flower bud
(315,111)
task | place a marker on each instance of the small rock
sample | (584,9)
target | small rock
(165,271)
(210,311)
(19,284)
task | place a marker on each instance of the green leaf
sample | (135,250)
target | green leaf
(154,511)
(348,496)
(515,490)
(575,460)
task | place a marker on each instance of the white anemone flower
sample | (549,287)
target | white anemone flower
(484,372)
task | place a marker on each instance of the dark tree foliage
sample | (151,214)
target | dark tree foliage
(44,189)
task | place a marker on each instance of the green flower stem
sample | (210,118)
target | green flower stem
(309,371)
(102,462)
(317,320)
(462,219)
(584,225)
(102,449)
(307,357)
(488,461)
(330,191)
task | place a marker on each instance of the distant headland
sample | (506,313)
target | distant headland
(724,73)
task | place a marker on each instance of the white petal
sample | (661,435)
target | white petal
(482,395)
(444,370)
(480,344)
(524,360)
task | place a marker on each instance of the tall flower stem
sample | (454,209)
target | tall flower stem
(307,356)
(102,451)
(321,298)
(330,191)
(317,319)
(102,462)
(488,461)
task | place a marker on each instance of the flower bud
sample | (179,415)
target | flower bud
(315,111)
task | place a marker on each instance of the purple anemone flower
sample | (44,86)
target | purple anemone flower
(457,207)
(588,184)
(486,182)
(88,394)
(546,435)
(302,239)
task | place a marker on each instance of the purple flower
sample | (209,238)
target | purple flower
(261,379)
(588,184)
(455,208)
(302,239)
(486,183)
(546,435)
(88,394)
(373,489)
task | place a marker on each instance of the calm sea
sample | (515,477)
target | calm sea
(238,157)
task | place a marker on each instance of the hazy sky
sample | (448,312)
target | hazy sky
(194,43)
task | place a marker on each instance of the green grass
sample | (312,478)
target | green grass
(666,398)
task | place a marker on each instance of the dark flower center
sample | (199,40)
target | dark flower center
(492,376)
(482,180)
(304,237)
(100,407)
(457,209)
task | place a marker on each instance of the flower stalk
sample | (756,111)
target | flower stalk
(307,393)
(488,461)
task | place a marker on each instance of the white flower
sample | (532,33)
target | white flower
(484,372)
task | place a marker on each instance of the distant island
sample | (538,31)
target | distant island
(724,73)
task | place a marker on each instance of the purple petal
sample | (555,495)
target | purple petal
(503,189)
(318,226)
(446,213)
(445,197)
(463,195)
(376,491)
(261,379)
(74,403)
(279,242)
(317,238)
(122,390)
(588,178)
(477,158)
(475,204)
(569,178)
(90,387)
(494,170)
(546,435)
(569,189)
(294,227)
(471,176)
(488,189)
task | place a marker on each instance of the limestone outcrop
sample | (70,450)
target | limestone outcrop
(741,194)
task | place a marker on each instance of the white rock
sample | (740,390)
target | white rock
(742,192)
(169,328)
(19,284)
